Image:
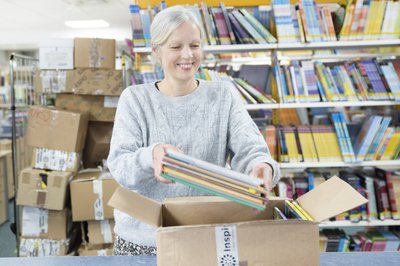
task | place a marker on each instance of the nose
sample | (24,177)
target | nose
(187,52)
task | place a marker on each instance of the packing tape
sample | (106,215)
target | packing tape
(226,242)
(102,252)
(106,231)
(98,203)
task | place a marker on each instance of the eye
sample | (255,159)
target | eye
(175,47)
(195,45)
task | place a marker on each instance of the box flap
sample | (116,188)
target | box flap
(140,207)
(331,198)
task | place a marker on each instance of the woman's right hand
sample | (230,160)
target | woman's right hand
(159,152)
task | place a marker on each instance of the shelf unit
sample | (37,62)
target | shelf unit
(278,54)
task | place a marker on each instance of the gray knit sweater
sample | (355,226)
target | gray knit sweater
(208,124)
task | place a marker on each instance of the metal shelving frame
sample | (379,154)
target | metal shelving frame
(27,65)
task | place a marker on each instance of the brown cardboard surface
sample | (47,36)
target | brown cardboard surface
(258,243)
(92,104)
(97,145)
(3,207)
(331,198)
(57,225)
(144,209)
(101,232)
(97,81)
(9,174)
(208,211)
(85,202)
(94,53)
(56,129)
(32,192)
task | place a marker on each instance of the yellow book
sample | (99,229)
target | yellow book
(307,144)
(291,144)
(303,211)
(368,31)
(388,134)
(294,208)
(334,150)
(394,142)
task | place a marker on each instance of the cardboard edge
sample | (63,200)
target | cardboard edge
(138,206)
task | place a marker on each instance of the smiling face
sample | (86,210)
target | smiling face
(181,54)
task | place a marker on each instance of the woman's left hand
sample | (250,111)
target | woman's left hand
(264,171)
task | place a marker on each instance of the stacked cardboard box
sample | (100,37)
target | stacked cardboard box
(91,85)
(57,138)
(81,72)
(91,189)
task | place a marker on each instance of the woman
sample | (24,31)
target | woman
(200,118)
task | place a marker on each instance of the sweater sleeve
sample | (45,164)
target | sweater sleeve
(130,161)
(245,142)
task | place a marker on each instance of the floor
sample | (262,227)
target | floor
(7,237)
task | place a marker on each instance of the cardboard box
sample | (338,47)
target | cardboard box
(56,54)
(80,81)
(95,105)
(47,159)
(101,232)
(94,53)
(97,146)
(3,207)
(6,173)
(38,247)
(97,82)
(56,129)
(209,230)
(43,223)
(54,81)
(90,192)
(38,188)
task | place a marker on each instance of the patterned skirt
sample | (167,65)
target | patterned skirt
(125,248)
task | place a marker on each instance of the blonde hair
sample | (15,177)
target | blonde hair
(167,21)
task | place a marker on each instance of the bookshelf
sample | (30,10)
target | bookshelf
(281,53)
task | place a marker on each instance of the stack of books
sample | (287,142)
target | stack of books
(214,179)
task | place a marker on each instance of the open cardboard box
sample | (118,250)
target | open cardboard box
(214,231)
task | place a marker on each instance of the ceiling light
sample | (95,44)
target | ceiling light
(87,24)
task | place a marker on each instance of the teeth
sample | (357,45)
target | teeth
(185,65)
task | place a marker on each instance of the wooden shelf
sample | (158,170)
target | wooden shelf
(338,164)
(359,224)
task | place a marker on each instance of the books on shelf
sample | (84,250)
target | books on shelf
(306,21)
(214,179)
(364,80)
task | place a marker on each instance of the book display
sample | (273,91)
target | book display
(325,77)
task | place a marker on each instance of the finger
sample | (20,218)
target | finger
(164,180)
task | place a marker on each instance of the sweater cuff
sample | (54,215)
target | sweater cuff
(147,158)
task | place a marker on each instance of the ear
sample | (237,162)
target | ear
(156,52)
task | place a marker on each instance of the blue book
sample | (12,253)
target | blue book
(145,16)
(378,138)
(347,138)
(341,137)
(365,136)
